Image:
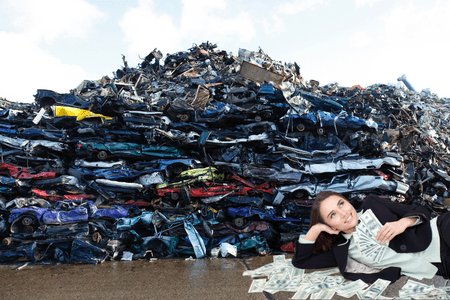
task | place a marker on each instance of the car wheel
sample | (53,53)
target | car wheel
(184,118)
(96,237)
(102,155)
(239,222)
(7,241)
(299,194)
(26,221)
(300,127)
(28,229)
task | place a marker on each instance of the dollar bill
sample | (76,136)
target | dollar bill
(338,279)
(297,273)
(412,284)
(257,286)
(350,288)
(278,258)
(433,294)
(292,285)
(326,272)
(371,221)
(312,278)
(265,270)
(321,286)
(301,292)
(413,287)
(375,290)
(323,294)
(280,282)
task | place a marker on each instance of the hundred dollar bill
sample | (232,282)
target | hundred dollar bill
(297,273)
(375,290)
(301,293)
(257,286)
(433,294)
(265,270)
(412,284)
(377,254)
(292,285)
(277,258)
(414,288)
(326,272)
(321,286)
(337,279)
(277,283)
(371,221)
(447,290)
(362,227)
(348,289)
(310,277)
(323,294)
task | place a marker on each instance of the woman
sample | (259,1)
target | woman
(407,240)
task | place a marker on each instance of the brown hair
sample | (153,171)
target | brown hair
(324,240)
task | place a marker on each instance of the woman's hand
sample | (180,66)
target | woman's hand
(326,228)
(392,229)
(316,229)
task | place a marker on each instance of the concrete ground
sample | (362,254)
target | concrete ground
(161,279)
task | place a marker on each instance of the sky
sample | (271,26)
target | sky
(55,45)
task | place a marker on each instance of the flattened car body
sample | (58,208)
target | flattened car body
(343,184)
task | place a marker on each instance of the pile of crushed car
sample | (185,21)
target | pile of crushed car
(206,154)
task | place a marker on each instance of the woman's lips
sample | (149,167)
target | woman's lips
(349,217)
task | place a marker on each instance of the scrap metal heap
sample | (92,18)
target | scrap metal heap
(206,154)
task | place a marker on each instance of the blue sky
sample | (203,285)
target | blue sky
(53,44)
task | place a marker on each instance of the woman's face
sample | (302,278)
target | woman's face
(339,214)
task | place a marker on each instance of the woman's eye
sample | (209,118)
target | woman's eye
(332,215)
(341,203)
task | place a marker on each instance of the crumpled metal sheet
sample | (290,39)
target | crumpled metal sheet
(61,111)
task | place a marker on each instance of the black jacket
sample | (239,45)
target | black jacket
(413,239)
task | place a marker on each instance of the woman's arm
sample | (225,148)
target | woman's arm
(305,258)
(315,230)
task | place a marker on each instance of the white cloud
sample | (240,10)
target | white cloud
(201,20)
(144,29)
(204,18)
(409,39)
(296,6)
(366,2)
(274,26)
(26,68)
(418,35)
(50,19)
(361,39)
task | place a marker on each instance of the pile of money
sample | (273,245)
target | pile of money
(417,290)
(364,236)
(282,276)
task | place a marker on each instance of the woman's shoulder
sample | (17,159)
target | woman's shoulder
(373,199)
